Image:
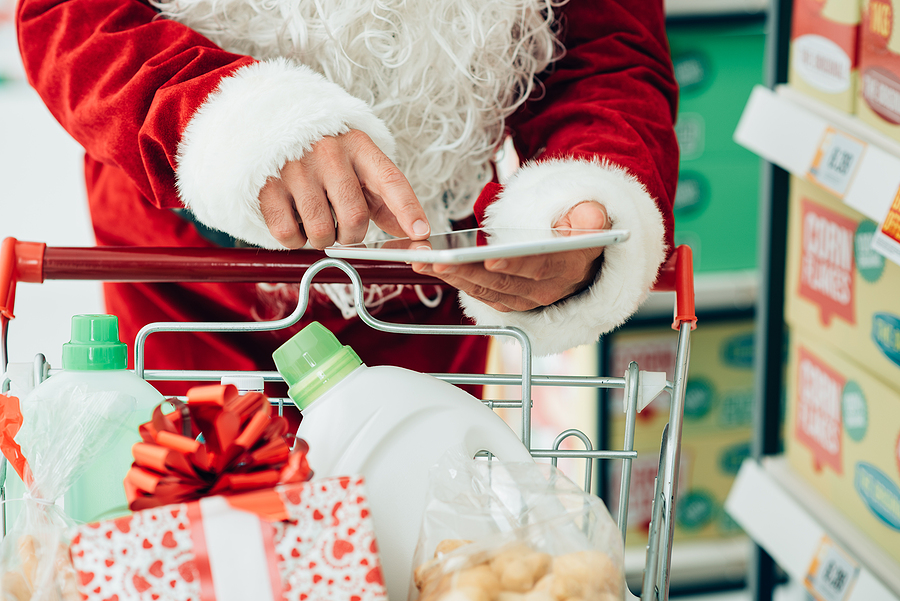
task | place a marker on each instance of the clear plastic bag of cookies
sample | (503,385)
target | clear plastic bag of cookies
(496,531)
(49,442)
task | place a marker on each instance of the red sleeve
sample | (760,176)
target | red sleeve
(612,96)
(121,82)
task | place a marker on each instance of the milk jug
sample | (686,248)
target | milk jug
(389,425)
(94,361)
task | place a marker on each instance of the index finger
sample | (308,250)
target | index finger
(378,173)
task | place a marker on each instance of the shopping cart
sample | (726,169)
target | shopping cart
(35,262)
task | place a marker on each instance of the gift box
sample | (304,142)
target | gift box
(225,511)
(219,548)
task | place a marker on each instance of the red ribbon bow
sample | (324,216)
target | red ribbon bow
(245,448)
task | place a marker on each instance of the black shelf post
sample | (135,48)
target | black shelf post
(770,305)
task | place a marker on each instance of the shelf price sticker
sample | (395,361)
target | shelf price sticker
(832,573)
(836,161)
(886,240)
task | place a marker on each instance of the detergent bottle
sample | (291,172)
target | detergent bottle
(94,361)
(390,425)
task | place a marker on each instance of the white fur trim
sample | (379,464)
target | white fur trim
(537,196)
(259,118)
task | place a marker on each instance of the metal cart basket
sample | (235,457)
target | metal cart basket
(35,262)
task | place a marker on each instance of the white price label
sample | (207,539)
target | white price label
(835,161)
(831,574)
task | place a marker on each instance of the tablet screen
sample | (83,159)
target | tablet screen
(472,245)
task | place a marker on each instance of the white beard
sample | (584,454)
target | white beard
(442,75)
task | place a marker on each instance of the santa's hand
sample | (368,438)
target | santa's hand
(349,176)
(524,283)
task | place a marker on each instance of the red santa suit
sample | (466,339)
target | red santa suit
(186,107)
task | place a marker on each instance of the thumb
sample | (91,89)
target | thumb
(587,215)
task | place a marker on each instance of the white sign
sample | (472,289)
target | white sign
(835,161)
(831,574)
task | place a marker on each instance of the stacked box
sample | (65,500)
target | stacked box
(823,54)
(717,425)
(843,436)
(718,187)
(843,430)
(839,290)
(879,67)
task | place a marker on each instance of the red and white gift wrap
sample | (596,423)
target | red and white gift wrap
(209,550)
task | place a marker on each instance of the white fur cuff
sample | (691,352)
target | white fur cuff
(536,197)
(259,118)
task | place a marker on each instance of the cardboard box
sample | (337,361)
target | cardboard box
(717,425)
(716,67)
(879,66)
(719,395)
(839,289)
(707,470)
(843,436)
(823,52)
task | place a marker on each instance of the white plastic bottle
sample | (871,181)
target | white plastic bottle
(390,425)
(94,361)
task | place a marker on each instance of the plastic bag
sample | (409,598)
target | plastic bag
(495,531)
(60,436)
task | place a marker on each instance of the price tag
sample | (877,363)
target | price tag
(835,161)
(886,240)
(831,574)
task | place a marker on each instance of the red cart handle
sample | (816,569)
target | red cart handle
(19,261)
(36,262)
(678,274)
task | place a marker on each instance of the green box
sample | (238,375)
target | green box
(717,65)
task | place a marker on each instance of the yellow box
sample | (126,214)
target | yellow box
(708,466)
(717,426)
(843,436)
(823,52)
(838,288)
(719,395)
(878,102)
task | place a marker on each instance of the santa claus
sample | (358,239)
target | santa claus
(283,123)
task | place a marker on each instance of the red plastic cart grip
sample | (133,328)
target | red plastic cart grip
(678,274)
(19,261)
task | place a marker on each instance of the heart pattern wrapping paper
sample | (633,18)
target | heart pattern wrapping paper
(325,551)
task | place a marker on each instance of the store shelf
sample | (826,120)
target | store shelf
(697,563)
(787,129)
(705,8)
(714,292)
(789,519)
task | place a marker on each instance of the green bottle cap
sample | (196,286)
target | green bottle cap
(313,361)
(94,344)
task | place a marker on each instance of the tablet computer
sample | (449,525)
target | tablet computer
(479,244)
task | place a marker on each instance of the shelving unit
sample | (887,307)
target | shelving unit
(789,519)
(787,128)
(734,291)
(697,564)
(705,8)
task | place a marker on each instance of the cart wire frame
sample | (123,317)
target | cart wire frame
(35,262)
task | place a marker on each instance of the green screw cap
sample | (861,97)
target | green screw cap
(94,344)
(313,361)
